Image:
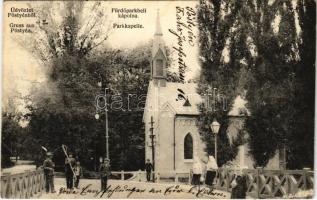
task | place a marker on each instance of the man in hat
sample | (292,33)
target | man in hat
(105,171)
(69,170)
(48,166)
(148,169)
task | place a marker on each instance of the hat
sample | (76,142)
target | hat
(49,153)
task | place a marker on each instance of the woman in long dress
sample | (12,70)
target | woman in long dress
(239,186)
(197,171)
(211,171)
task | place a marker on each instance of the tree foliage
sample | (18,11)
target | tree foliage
(218,38)
(12,137)
(301,146)
(256,50)
(79,67)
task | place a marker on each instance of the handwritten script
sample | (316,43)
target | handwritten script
(185,22)
(131,190)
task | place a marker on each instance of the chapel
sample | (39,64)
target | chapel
(173,121)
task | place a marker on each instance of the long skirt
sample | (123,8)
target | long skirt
(210,177)
(196,179)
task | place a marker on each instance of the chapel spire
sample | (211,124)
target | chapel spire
(159,60)
(158,29)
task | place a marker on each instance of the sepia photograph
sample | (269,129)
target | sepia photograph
(158,99)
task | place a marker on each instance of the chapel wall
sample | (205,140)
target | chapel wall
(183,126)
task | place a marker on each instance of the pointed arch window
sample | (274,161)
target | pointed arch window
(159,67)
(188,147)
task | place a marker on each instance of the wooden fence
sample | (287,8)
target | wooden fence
(23,185)
(260,183)
(268,183)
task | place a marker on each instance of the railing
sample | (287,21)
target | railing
(124,175)
(23,185)
(176,177)
(268,183)
(260,183)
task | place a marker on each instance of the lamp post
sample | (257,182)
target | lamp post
(152,136)
(106,115)
(215,129)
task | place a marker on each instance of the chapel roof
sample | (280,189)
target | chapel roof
(184,99)
(173,94)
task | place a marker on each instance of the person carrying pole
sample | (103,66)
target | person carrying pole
(69,169)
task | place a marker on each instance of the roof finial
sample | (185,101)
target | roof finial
(158,30)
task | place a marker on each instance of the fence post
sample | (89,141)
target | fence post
(139,175)
(176,177)
(158,177)
(217,178)
(8,189)
(305,177)
(287,183)
(227,179)
(122,175)
(42,180)
(257,175)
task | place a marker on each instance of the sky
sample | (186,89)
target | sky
(21,70)
(167,9)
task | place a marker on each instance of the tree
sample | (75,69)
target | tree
(236,60)
(302,143)
(275,90)
(64,111)
(11,138)
(270,90)
(221,37)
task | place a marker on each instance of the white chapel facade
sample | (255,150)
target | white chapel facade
(177,138)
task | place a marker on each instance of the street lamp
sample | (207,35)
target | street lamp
(215,129)
(97,116)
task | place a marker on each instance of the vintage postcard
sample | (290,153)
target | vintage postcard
(193,99)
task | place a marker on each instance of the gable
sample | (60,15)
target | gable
(167,108)
(159,54)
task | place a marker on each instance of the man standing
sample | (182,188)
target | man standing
(69,170)
(105,171)
(78,172)
(48,166)
(148,169)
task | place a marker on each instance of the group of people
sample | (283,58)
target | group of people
(197,170)
(238,183)
(73,172)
